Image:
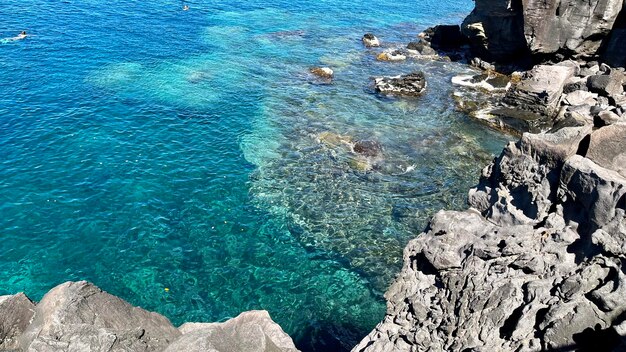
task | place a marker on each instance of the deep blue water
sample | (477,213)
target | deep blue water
(143,147)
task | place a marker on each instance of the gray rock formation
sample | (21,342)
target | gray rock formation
(16,311)
(568,25)
(548,96)
(536,99)
(504,30)
(78,316)
(252,331)
(536,263)
(447,37)
(412,84)
(495,29)
(607,84)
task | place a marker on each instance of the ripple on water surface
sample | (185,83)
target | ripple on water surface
(192,151)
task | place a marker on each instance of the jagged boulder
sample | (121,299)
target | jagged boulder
(537,97)
(520,186)
(252,331)
(607,148)
(546,273)
(606,85)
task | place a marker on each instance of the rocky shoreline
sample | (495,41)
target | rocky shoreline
(538,260)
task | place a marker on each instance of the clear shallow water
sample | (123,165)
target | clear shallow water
(143,147)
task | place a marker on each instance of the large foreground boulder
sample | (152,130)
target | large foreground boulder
(78,316)
(536,264)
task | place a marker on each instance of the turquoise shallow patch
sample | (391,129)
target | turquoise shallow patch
(143,147)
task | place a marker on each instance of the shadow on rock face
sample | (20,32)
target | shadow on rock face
(328,336)
(598,339)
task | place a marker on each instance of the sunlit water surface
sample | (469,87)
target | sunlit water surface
(143,147)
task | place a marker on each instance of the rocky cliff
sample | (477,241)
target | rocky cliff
(536,263)
(78,316)
(504,30)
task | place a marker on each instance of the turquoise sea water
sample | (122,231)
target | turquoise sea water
(143,147)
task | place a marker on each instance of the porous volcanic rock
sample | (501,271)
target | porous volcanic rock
(537,263)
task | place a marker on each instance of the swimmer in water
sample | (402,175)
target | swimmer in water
(20,36)
(185,7)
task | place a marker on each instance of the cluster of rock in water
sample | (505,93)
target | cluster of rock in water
(538,260)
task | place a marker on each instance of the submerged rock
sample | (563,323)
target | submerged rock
(333,140)
(412,84)
(367,148)
(370,40)
(196,77)
(322,72)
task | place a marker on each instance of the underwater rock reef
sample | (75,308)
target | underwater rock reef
(78,316)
